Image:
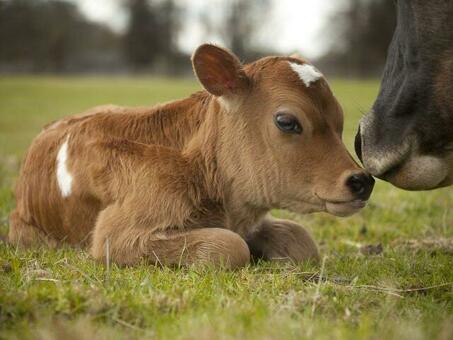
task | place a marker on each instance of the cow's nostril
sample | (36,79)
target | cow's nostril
(358,145)
(360,185)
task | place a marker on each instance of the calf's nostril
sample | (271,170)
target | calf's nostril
(360,185)
(356,184)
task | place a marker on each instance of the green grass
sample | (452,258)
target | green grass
(403,293)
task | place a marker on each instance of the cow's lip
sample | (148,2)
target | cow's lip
(415,173)
(344,208)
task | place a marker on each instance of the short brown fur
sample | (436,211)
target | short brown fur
(191,181)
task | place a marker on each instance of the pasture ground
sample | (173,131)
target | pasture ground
(403,292)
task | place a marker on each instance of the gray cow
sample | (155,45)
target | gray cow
(407,137)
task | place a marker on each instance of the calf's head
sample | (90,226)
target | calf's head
(279,134)
(407,138)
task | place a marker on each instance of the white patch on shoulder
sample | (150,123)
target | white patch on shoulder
(64,178)
(306,72)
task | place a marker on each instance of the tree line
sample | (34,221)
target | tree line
(53,36)
(360,32)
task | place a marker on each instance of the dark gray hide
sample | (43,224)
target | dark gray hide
(407,137)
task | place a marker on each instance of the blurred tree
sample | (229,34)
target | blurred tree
(141,39)
(39,35)
(152,32)
(238,22)
(360,33)
(60,22)
(239,28)
(169,26)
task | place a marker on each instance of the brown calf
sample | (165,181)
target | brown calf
(193,181)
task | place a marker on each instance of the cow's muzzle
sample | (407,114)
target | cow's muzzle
(401,164)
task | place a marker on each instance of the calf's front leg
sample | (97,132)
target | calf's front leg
(128,243)
(276,239)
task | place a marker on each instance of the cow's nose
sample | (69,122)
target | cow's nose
(358,144)
(361,185)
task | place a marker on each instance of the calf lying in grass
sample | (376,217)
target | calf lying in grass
(192,181)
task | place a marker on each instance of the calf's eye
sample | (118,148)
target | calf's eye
(287,123)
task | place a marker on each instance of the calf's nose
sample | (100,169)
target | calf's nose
(361,185)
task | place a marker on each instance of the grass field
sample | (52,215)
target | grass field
(405,292)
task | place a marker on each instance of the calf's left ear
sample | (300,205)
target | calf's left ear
(219,71)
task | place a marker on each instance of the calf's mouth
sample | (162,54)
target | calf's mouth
(352,195)
(344,208)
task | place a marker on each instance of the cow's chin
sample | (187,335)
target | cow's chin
(421,173)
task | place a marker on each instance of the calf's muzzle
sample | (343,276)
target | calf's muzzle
(361,185)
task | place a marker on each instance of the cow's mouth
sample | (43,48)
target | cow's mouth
(419,173)
(344,208)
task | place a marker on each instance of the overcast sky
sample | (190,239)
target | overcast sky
(293,25)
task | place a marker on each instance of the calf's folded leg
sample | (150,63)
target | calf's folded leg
(128,242)
(26,235)
(282,240)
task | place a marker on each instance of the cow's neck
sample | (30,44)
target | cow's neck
(428,25)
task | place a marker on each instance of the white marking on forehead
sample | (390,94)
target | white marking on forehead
(64,178)
(306,72)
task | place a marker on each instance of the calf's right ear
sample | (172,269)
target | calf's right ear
(219,71)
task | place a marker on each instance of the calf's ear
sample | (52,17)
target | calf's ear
(219,71)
